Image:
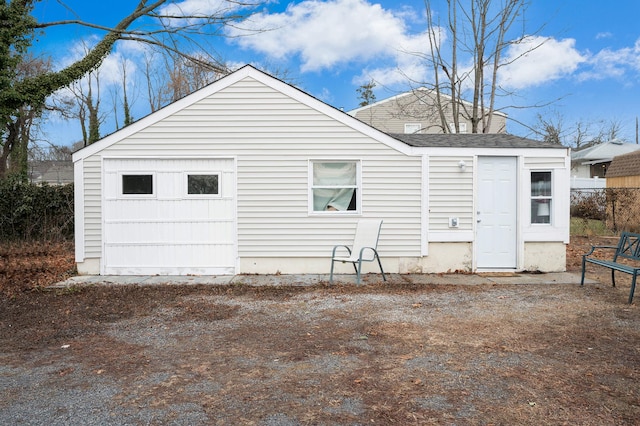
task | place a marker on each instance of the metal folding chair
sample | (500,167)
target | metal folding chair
(364,248)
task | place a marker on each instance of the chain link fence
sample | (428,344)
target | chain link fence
(616,209)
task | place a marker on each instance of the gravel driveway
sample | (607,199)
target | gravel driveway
(391,353)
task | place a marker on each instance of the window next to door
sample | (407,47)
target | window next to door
(541,197)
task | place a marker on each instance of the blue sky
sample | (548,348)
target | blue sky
(588,66)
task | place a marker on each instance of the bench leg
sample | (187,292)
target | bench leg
(583,265)
(633,288)
(613,277)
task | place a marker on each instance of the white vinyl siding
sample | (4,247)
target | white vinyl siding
(556,162)
(92,207)
(450,192)
(273,137)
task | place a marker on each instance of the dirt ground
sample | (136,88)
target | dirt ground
(391,353)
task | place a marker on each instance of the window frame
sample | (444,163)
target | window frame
(358,188)
(538,198)
(418,125)
(462,125)
(185,180)
(154,183)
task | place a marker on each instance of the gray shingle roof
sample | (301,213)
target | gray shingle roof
(625,165)
(604,151)
(470,140)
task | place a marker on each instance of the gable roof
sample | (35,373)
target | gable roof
(470,140)
(409,93)
(625,165)
(246,71)
(605,151)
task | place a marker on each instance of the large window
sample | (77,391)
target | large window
(541,197)
(334,186)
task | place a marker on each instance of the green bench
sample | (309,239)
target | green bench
(628,248)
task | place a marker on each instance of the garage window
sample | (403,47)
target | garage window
(203,184)
(138,184)
(335,186)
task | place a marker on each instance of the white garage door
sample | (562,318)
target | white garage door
(169,216)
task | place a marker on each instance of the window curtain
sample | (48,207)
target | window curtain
(333,185)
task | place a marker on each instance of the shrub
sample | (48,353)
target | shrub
(30,212)
(589,204)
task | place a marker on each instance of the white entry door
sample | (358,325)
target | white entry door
(169,216)
(496,216)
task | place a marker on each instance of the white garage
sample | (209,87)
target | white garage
(169,216)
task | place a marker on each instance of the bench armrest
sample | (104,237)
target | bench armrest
(593,248)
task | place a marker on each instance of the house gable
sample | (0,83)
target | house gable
(271,133)
(243,73)
(415,112)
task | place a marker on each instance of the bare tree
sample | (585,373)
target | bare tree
(169,77)
(85,95)
(166,26)
(126,109)
(185,77)
(551,127)
(118,100)
(466,53)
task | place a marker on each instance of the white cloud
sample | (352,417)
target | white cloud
(610,63)
(537,60)
(603,35)
(327,33)
(405,65)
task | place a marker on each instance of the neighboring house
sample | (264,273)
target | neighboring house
(416,112)
(593,161)
(52,172)
(624,171)
(251,175)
